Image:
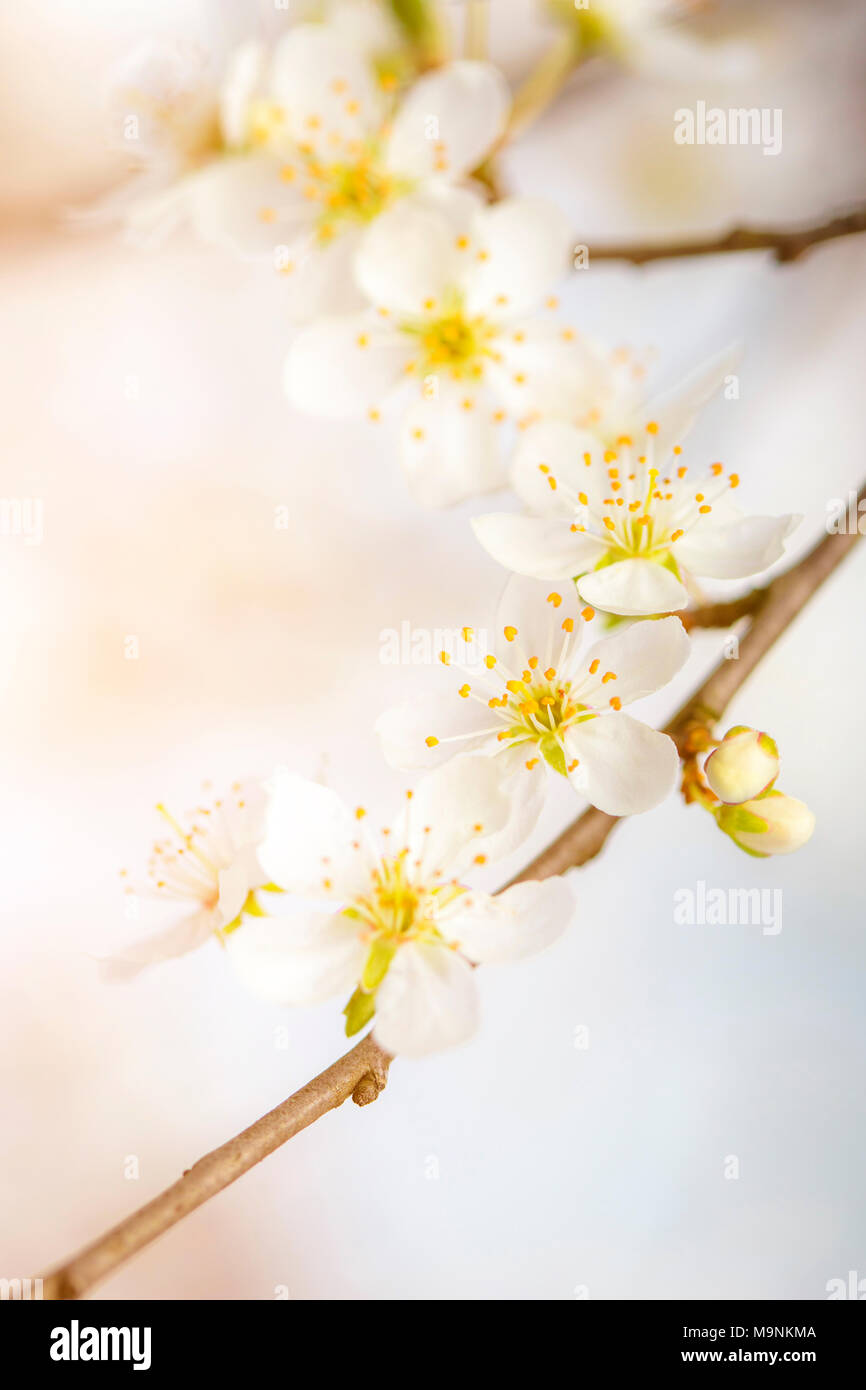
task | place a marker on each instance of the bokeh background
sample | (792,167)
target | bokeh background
(143,406)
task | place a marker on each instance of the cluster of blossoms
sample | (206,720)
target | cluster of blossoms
(417,296)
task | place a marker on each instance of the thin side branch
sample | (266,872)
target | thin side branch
(362,1073)
(787,245)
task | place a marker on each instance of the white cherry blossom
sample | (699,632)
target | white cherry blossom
(330,157)
(629,522)
(457,335)
(545,702)
(398,929)
(213,865)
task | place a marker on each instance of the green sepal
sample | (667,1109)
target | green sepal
(377,963)
(736,820)
(359,1010)
(554,757)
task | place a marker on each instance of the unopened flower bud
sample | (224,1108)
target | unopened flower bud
(771,824)
(745,765)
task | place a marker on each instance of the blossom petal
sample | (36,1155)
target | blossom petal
(234,886)
(176,940)
(734,549)
(409,255)
(520,250)
(319,277)
(451,811)
(427,1001)
(542,547)
(634,588)
(244,75)
(543,370)
(624,766)
(450,446)
(342,367)
(242,204)
(676,411)
(534,618)
(644,658)
(524,781)
(514,924)
(449,121)
(457,724)
(324,87)
(290,961)
(311,842)
(554,449)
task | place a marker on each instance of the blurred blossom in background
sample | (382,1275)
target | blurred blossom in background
(207,597)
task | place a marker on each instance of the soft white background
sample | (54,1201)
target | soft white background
(558,1167)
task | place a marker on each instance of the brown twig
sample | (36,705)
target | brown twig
(362,1072)
(724,614)
(787,245)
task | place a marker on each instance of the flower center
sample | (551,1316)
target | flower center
(353,188)
(451,339)
(541,704)
(637,509)
(397,909)
(541,712)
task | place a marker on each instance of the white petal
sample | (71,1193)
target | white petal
(408,257)
(676,411)
(517,923)
(320,282)
(644,658)
(343,367)
(177,940)
(243,77)
(404,729)
(543,371)
(427,1001)
(290,961)
(624,766)
(541,547)
(449,121)
(311,841)
(240,203)
(450,447)
(734,549)
(234,886)
(365,25)
(634,588)
(558,448)
(544,612)
(325,89)
(525,244)
(526,789)
(451,811)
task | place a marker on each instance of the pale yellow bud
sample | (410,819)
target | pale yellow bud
(772,824)
(745,764)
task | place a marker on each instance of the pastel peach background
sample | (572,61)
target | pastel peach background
(142,404)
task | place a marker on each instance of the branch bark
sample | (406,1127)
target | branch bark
(362,1073)
(786,245)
